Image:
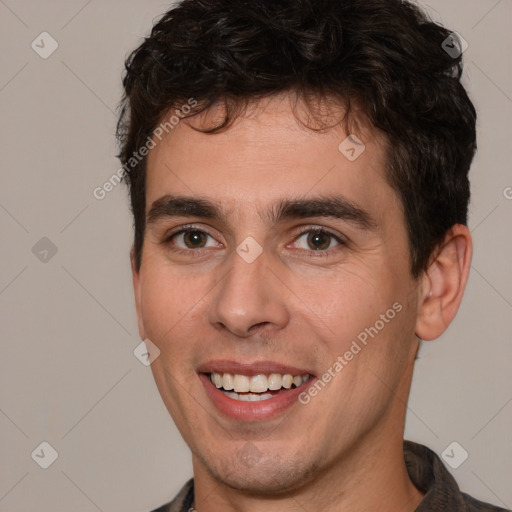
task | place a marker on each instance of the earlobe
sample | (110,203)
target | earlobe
(137,294)
(443,283)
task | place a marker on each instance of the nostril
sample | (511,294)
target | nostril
(257,325)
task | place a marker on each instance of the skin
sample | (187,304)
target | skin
(344,449)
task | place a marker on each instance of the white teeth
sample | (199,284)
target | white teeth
(258,384)
(227,381)
(287,381)
(233,384)
(217,380)
(249,397)
(275,381)
(241,383)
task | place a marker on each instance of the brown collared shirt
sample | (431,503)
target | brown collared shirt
(426,471)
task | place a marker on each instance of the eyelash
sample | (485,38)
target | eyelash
(310,229)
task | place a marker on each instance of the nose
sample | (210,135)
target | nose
(249,297)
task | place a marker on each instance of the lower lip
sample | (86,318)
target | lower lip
(252,411)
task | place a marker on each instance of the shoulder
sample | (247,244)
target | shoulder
(474,505)
(441,492)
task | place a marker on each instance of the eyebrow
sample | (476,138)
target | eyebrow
(331,206)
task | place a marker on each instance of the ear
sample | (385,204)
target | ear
(137,289)
(443,283)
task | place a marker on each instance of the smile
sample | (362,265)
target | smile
(253,391)
(257,387)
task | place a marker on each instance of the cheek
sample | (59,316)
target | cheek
(168,303)
(367,316)
(347,300)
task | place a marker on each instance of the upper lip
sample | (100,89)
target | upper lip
(250,369)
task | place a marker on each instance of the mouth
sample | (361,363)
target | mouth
(255,388)
(253,392)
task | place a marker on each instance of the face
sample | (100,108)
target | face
(276,265)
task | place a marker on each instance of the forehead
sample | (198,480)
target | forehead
(267,155)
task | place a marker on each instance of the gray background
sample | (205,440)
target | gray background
(68,375)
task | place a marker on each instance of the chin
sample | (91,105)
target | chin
(254,473)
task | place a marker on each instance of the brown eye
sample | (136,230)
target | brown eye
(319,240)
(188,239)
(194,239)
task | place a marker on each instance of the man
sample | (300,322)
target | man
(298,180)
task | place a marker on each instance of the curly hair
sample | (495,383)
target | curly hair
(385,56)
